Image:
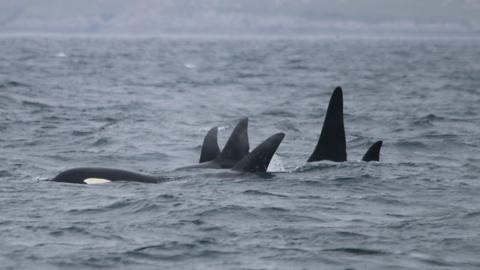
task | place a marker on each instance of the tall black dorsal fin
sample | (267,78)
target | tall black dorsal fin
(210,149)
(236,147)
(332,144)
(259,159)
(373,153)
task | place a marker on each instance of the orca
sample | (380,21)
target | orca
(235,155)
(103,175)
(255,162)
(236,148)
(210,149)
(332,144)
(373,153)
(259,159)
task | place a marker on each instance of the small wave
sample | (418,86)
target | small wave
(190,65)
(134,206)
(426,258)
(432,117)
(385,200)
(197,222)
(247,75)
(345,178)
(287,125)
(443,136)
(351,234)
(314,166)
(81,133)
(70,229)
(4,173)
(300,67)
(295,60)
(279,113)
(171,250)
(230,209)
(174,250)
(473,214)
(101,142)
(359,251)
(60,54)
(166,196)
(427,120)
(263,193)
(274,209)
(410,144)
(9,84)
(36,104)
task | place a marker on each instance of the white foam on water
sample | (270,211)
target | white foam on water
(190,65)
(276,164)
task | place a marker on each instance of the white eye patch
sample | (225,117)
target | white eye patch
(96,181)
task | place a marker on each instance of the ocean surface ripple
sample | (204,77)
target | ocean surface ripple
(145,105)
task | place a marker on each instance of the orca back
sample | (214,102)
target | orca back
(79,175)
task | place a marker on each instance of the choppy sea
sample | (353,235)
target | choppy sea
(144,104)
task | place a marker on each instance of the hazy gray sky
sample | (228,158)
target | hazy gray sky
(240,17)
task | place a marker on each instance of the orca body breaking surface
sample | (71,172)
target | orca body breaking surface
(104,175)
(235,155)
(256,162)
(235,149)
(332,144)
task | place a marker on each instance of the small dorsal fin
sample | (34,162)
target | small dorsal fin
(259,159)
(331,143)
(210,149)
(236,147)
(373,153)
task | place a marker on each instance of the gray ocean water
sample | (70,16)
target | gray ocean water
(144,104)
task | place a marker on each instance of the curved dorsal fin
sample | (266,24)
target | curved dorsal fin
(373,153)
(210,149)
(236,147)
(331,143)
(259,159)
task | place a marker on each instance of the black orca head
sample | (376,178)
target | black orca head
(75,176)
